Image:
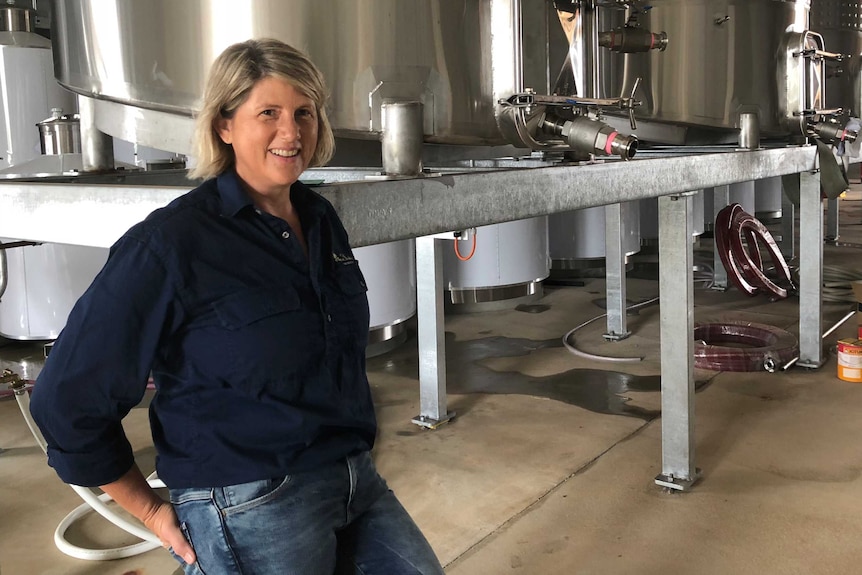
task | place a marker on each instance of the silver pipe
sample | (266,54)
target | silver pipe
(518,31)
(14,19)
(97,148)
(749,131)
(4,273)
(584,50)
(835,326)
(839,324)
(403,135)
(591,50)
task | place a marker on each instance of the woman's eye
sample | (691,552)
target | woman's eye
(268,113)
(305,113)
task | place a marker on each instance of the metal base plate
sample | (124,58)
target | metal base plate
(676,483)
(810,363)
(429,423)
(612,336)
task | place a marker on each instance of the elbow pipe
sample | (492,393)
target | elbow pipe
(591,136)
(629,39)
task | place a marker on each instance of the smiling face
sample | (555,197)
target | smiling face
(273,135)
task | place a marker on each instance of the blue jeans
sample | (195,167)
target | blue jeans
(341,520)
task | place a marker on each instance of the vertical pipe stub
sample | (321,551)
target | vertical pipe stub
(97,148)
(749,131)
(403,135)
(15,19)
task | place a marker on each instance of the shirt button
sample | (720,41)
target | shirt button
(285,235)
(328,317)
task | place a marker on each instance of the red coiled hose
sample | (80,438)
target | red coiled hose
(739,237)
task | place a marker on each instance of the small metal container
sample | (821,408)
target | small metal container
(60,134)
(16,19)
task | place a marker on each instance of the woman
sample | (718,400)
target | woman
(243,300)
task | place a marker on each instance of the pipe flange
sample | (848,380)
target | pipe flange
(755,346)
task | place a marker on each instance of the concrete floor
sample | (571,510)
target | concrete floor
(549,466)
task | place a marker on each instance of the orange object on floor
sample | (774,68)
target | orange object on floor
(850,360)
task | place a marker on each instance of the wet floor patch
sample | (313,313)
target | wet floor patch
(597,390)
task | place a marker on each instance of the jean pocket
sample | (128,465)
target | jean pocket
(247,496)
(188,568)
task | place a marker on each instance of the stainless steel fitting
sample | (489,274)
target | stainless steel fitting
(592,137)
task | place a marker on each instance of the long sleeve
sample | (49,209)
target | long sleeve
(100,364)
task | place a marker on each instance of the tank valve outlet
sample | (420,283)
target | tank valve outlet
(592,137)
(832,132)
(629,39)
(13,380)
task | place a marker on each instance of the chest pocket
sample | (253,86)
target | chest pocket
(244,308)
(349,306)
(265,341)
(349,279)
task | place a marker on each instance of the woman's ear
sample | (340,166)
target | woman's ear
(223,128)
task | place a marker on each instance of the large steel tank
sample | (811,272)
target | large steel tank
(457,57)
(39,284)
(840,24)
(723,57)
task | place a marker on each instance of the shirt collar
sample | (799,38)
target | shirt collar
(234,199)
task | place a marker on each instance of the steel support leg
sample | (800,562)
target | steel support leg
(810,270)
(431,335)
(720,200)
(615,274)
(676,294)
(831,220)
(788,228)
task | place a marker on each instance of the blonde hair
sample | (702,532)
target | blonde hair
(231,78)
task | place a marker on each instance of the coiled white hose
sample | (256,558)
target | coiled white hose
(92,502)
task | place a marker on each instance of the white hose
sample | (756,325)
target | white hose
(594,357)
(23,399)
(92,502)
(95,554)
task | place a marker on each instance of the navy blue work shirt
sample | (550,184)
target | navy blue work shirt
(257,351)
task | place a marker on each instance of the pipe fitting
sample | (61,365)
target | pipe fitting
(749,131)
(402,138)
(13,380)
(629,39)
(592,137)
(832,132)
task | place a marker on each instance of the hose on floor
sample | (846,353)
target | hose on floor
(92,503)
(575,351)
(754,346)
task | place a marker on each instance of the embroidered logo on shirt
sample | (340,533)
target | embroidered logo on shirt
(341,258)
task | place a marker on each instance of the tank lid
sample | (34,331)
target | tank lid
(15,19)
(59,118)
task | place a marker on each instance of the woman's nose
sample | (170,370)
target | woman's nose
(288,128)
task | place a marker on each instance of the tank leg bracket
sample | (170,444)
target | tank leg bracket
(613,336)
(811,363)
(430,423)
(678,483)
